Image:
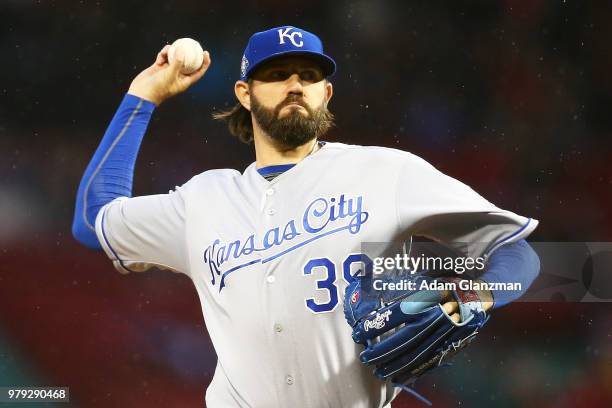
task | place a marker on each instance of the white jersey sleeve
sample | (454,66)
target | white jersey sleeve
(436,206)
(143,232)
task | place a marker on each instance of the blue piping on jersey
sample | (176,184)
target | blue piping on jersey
(509,237)
(109,245)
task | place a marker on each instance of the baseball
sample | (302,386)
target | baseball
(194,54)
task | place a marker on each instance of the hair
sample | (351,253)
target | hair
(238,120)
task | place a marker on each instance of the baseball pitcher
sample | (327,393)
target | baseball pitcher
(273,250)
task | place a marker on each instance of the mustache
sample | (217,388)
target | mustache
(293,99)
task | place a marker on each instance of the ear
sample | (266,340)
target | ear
(241,89)
(329,91)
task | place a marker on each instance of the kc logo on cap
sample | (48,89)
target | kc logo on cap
(282,41)
(282,33)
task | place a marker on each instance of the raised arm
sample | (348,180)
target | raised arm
(110,172)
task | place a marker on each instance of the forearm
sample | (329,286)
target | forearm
(511,263)
(110,172)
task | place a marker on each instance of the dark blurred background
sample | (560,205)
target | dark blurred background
(512,97)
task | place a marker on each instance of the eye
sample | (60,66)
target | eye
(278,74)
(311,75)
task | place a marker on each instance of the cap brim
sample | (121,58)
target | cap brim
(327,64)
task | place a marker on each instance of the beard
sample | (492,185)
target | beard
(294,129)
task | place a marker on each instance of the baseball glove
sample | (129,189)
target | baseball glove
(408,333)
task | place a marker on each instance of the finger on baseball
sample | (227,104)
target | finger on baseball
(177,64)
(162,56)
(206,60)
(450,307)
(455,317)
(202,70)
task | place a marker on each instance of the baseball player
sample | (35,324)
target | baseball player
(271,250)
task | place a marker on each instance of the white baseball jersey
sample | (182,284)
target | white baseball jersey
(270,261)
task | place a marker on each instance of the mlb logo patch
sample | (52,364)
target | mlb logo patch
(244,65)
(354,298)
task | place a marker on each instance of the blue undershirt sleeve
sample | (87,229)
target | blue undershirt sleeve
(512,263)
(110,172)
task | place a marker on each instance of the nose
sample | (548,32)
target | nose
(294,84)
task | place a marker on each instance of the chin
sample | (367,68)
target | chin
(294,111)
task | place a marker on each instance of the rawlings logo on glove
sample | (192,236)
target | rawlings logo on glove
(378,322)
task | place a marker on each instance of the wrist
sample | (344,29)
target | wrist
(147,96)
(486,297)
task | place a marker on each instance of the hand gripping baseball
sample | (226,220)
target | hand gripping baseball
(163,80)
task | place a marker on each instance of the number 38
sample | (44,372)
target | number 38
(328,283)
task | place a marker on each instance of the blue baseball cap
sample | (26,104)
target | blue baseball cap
(280,41)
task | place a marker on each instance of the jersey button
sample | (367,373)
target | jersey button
(278,328)
(289,380)
(270,191)
(270,279)
(271,211)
